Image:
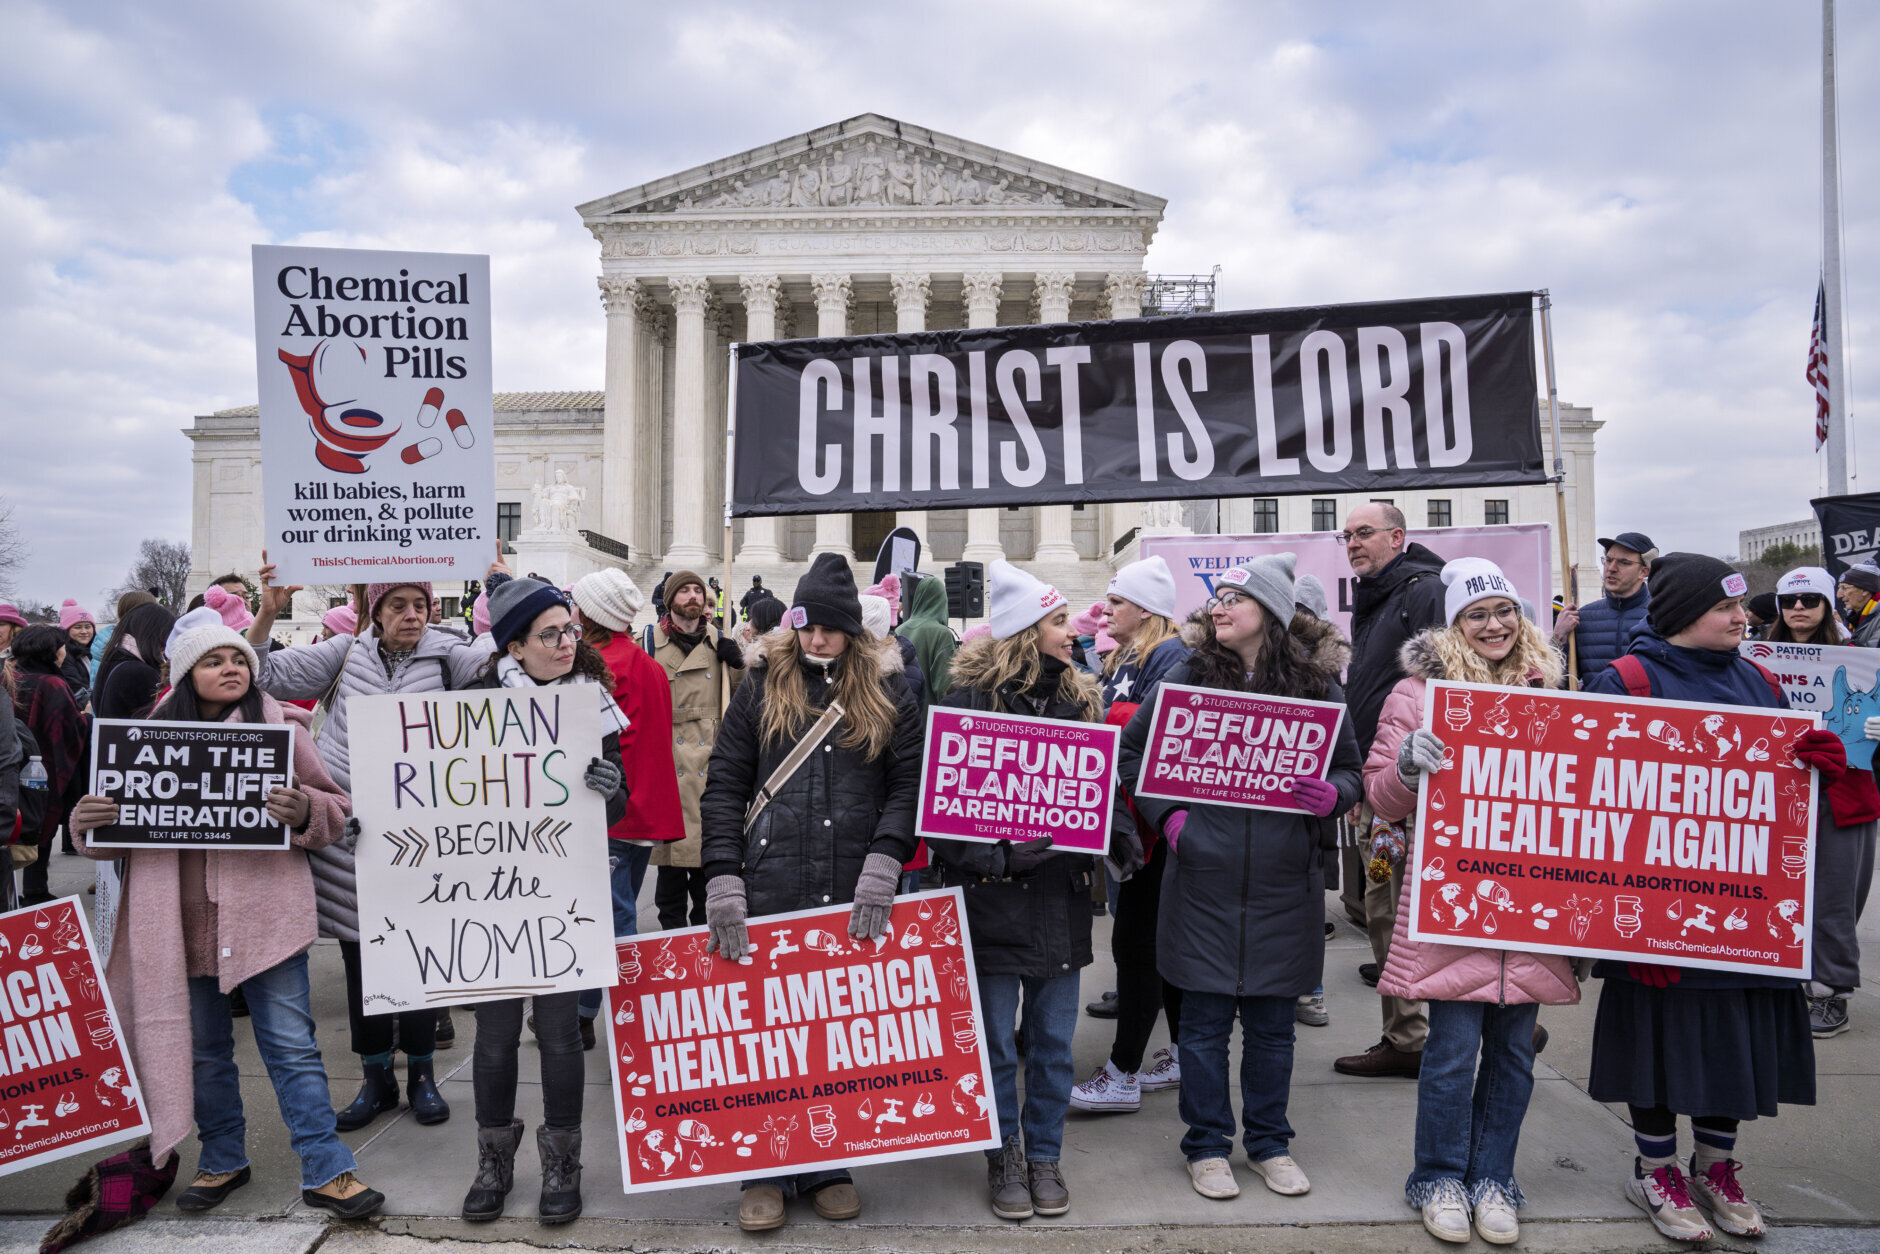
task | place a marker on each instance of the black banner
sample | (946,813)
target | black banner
(190,785)
(1336,398)
(1850,529)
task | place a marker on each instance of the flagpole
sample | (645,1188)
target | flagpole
(1569,578)
(1832,341)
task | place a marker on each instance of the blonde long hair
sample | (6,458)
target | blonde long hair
(868,714)
(1155,629)
(1018,660)
(1531,654)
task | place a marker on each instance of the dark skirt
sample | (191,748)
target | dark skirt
(1729,1052)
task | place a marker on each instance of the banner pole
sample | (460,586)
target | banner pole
(1568,576)
(731,443)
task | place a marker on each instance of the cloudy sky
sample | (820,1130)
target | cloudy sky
(1657,166)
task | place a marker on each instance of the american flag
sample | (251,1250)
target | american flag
(1818,365)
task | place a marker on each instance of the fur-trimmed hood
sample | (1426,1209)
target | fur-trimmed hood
(770,646)
(1327,650)
(972,668)
(1421,659)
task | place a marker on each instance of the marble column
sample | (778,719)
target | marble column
(761,293)
(620,426)
(980,291)
(690,509)
(833,294)
(649,459)
(1054,541)
(911,293)
(717,389)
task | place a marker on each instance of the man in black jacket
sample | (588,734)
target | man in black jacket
(1399,592)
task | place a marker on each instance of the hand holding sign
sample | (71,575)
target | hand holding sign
(288,807)
(92,813)
(1317,796)
(1028,856)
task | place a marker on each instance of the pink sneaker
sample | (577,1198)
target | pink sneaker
(1717,1191)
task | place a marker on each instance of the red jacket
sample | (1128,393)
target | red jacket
(644,695)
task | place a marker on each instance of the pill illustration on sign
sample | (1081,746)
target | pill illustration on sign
(415,453)
(460,428)
(427,412)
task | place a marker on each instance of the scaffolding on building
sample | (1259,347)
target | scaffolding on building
(1168,294)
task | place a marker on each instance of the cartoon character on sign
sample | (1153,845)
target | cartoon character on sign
(1785,922)
(1716,738)
(1583,910)
(966,1090)
(1852,708)
(658,1152)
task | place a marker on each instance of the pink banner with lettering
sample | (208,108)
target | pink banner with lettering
(990,777)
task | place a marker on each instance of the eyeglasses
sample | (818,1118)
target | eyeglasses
(1362,533)
(553,637)
(1621,563)
(1506,614)
(1227,599)
(1807,600)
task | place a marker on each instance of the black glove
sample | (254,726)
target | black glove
(1028,856)
(730,652)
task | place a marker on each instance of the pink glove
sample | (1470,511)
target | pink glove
(1172,827)
(1315,795)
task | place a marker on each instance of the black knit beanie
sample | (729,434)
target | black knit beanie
(1684,586)
(826,597)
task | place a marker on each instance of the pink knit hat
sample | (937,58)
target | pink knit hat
(379,591)
(341,620)
(889,590)
(480,614)
(1090,622)
(232,608)
(977,632)
(1104,644)
(72,613)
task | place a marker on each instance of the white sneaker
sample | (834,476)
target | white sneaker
(1109,1091)
(1716,1189)
(1212,1177)
(1446,1214)
(1166,1074)
(1495,1218)
(1282,1175)
(1665,1197)
(1311,1011)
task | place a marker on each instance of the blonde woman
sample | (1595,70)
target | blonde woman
(838,830)
(1139,614)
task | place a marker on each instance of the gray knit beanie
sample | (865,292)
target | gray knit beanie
(1268,579)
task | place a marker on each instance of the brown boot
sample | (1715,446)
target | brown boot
(761,1208)
(1382,1059)
(837,1201)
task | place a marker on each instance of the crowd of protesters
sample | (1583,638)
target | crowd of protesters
(1218,910)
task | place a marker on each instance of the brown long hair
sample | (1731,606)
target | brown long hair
(868,714)
(1285,669)
(989,665)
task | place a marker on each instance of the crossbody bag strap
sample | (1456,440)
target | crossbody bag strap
(788,767)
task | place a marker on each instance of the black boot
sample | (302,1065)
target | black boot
(378,1094)
(560,1150)
(446,1029)
(496,1172)
(427,1104)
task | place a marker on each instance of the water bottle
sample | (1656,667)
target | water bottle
(34,775)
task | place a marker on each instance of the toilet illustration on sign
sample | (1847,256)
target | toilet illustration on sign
(1457,707)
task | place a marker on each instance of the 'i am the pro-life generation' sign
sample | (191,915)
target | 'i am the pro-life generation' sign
(190,785)
(377,434)
(992,777)
(1244,749)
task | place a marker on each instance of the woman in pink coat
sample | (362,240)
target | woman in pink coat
(1480,1000)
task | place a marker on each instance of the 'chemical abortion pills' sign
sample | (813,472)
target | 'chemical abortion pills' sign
(991,777)
(190,785)
(1640,830)
(377,434)
(1839,682)
(816,1051)
(66,1083)
(483,861)
(1235,748)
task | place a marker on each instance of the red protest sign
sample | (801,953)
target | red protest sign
(1641,830)
(66,1083)
(990,777)
(816,1051)
(1235,748)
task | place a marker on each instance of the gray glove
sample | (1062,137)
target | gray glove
(603,777)
(1419,754)
(874,896)
(1026,855)
(350,833)
(724,914)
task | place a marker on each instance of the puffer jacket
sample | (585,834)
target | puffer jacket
(1605,630)
(1243,895)
(1425,969)
(1387,609)
(1036,923)
(807,848)
(441,661)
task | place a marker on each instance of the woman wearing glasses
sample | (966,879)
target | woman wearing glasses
(538,644)
(1240,930)
(1481,1001)
(1845,851)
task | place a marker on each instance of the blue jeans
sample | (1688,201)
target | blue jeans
(801,1185)
(1266,1061)
(1469,1119)
(1050,1019)
(281,1011)
(627,871)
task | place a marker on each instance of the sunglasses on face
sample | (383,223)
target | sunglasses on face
(1807,600)
(553,637)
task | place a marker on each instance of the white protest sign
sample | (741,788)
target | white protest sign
(377,434)
(482,864)
(1837,681)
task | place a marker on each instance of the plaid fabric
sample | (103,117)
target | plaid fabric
(118,1191)
(64,737)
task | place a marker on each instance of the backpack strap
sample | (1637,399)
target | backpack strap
(1637,682)
(1769,677)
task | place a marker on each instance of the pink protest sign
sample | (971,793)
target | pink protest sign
(991,777)
(1235,748)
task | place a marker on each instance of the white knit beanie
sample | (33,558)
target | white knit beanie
(609,598)
(197,632)
(875,615)
(1268,579)
(1019,599)
(1472,579)
(1147,583)
(1806,579)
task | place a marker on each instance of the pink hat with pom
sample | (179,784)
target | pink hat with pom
(341,620)
(480,614)
(978,632)
(889,590)
(72,613)
(1090,622)
(232,608)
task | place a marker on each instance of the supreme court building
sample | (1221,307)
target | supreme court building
(868,225)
